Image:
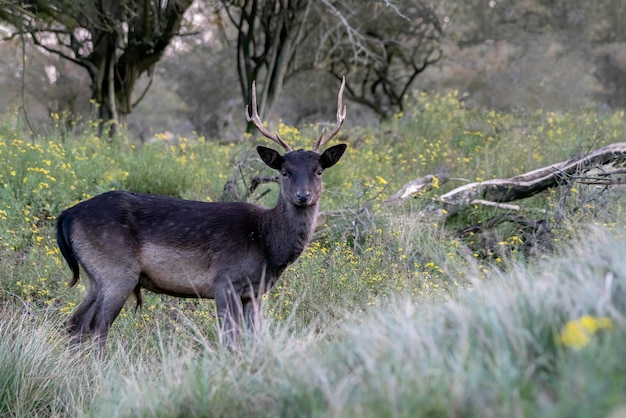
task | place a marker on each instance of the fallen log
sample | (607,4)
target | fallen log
(601,162)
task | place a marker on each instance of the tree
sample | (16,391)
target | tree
(115,41)
(380,46)
(268,35)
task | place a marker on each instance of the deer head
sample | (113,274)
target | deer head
(300,171)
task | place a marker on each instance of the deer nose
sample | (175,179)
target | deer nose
(302,196)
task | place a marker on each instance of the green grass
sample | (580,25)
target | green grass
(388,313)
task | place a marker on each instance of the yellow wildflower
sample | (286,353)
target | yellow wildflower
(577,333)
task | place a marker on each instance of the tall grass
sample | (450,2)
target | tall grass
(493,350)
(389,312)
(39,376)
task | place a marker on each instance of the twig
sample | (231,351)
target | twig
(258,180)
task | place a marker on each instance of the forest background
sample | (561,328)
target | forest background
(506,55)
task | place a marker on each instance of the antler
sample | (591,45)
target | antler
(259,124)
(341,116)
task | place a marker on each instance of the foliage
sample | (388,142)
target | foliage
(388,312)
(603,20)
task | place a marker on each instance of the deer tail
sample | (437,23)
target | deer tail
(65,245)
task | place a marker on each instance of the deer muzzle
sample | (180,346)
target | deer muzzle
(303,196)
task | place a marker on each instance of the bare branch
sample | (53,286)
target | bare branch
(258,180)
(417,186)
(381,47)
(505,206)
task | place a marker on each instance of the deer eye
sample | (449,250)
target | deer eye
(319,171)
(284,173)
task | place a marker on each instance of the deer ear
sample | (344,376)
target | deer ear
(330,157)
(270,157)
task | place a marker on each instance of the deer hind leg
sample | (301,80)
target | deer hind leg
(110,288)
(80,323)
(252,314)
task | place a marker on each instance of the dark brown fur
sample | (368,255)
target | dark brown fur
(230,252)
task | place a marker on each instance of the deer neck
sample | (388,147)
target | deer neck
(287,230)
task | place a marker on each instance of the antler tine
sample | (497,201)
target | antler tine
(341,116)
(256,119)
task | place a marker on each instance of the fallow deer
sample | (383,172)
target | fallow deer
(230,252)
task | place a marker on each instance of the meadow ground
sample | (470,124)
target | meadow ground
(390,312)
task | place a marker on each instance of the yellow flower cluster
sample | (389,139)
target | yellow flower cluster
(577,333)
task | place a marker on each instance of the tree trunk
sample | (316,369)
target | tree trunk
(268,35)
(116,42)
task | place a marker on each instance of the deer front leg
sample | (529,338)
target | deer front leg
(230,314)
(252,314)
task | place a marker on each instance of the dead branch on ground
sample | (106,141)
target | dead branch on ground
(595,167)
